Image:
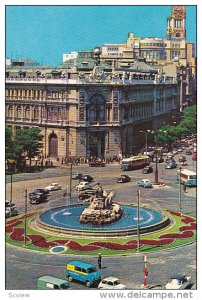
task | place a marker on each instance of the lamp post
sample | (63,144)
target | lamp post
(25,219)
(180,190)
(146,141)
(11,193)
(138,221)
(156,180)
(70,183)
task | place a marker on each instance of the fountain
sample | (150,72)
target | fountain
(101,209)
(100,218)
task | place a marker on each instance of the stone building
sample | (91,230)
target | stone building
(90,109)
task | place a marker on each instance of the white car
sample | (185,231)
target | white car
(178,282)
(111,283)
(83,185)
(53,187)
(146,183)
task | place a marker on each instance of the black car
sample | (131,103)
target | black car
(147,169)
(87,178)
(42,191)
(182,159)
(37,197)
(188,152)
(123,179)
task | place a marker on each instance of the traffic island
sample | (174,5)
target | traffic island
(181,231)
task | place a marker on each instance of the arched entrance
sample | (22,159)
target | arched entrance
(53,145)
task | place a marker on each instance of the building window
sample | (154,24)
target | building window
(19,111)
(36,112)
(27,112)
(10,111)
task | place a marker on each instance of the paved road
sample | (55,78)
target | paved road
(23,267)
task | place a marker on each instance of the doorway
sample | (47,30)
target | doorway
(96,144)
(53,145)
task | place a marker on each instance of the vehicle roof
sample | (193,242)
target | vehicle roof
(112,278)
(134,157)
(188,172)
(178,276)
(52,279)
(81,264)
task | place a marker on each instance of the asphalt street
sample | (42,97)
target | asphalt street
(23,267)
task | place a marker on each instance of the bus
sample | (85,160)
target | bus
(187,177)
(134,162)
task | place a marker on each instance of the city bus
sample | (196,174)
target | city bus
(134,162)
(187,177)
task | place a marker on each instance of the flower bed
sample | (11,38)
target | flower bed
(185,232)
(18,235)
(157,242)
(192,226)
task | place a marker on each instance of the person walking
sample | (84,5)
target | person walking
(99,261)
(185,188)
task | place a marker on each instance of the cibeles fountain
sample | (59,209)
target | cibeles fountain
(100,216)
(101,210)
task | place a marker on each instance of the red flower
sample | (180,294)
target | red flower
(187,220)
(185,234)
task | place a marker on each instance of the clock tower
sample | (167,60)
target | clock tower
(176,27)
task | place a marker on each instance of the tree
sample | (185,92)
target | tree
(9,143)
(32,142)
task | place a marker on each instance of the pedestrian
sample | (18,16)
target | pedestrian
(99,261)
(185,188)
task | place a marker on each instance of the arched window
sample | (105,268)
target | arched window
(36,112)
(10,111)
(19,111)
(97,109)
(27,112)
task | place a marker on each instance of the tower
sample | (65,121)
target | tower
(176,27)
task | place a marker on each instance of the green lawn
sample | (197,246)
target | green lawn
(173,228)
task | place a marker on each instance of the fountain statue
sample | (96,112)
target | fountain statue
(101,210)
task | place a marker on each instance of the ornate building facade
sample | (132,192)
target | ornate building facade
(90,111)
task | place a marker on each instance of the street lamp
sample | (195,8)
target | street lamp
(156,181)
(146,134)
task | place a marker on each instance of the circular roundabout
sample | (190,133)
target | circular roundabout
(65,220)
(49,231)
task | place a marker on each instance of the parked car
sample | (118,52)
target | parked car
(87,178)
(179,149)
(77,175)
(147,169)
(111,282)
(171,165)
(96,163)
(178,282)
(10,210)
(182,159)
(37,197)
(53,187)
(42,191)
(83,185)
(123,179)
(51,283)
(146,183)
(188,152)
